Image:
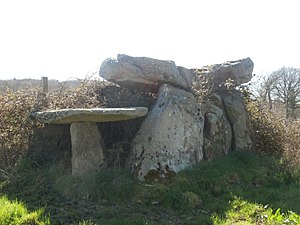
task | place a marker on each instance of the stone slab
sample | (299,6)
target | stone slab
(239,72)
(67,116)
(143,73)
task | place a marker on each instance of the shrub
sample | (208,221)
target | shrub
(15,125)
(273,133)
(84,96)
(267,129)
(291,153)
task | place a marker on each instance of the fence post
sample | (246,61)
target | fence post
(45,84)
(45,89)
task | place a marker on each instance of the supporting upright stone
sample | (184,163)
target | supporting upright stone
(87,148)
(217,129)
(238,118)
(170,138)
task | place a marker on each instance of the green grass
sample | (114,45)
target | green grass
(241,188)
(14,212)
(257,179)
(243,212)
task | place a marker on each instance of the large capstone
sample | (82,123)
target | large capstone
(87,148)
(170,138)
(145,73)
(227,74)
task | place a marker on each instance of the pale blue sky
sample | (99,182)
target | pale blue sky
(70,38)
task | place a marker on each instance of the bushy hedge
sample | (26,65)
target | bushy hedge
(274,134)
(16,106)
(292,144)
(267,129)
(15,125)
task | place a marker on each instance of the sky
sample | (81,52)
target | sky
(64,39)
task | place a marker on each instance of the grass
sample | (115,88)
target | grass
(243,212)
(241,188)
(14,212)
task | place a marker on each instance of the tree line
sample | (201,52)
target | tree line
(281,90)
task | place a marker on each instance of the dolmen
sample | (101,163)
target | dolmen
(180,130)
(86,139)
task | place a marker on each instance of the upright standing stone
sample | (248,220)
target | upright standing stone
(239,120)
(170,138)
(87,148)
(217,129)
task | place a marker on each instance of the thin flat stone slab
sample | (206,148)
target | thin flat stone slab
(67,116)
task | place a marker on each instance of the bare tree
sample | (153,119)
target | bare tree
(264,90)
(282,86)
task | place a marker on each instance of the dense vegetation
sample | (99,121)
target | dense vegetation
(241,188)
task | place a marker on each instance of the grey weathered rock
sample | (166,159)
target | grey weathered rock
(238,118)
(239,72)
(87,148)
(144,73)
(170,138)
(188,74)
(67,116)
(217,129)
